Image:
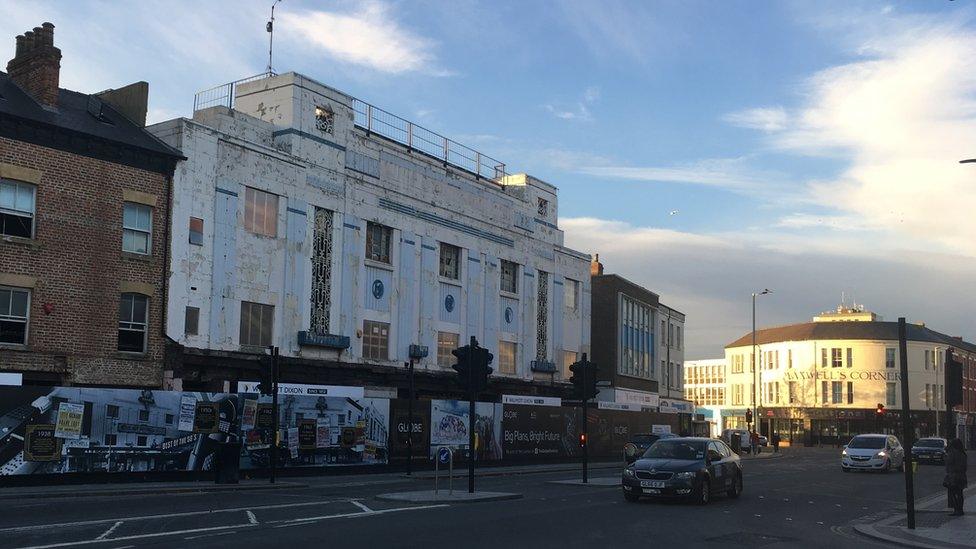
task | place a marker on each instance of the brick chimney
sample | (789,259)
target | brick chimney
(36,65)
(596,268)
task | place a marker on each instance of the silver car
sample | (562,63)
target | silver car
(873,452)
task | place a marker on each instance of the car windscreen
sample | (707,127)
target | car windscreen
(676,449)
(872,443)
(930,443)
(644,439)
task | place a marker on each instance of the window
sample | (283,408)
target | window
(450,261)
(737,395)
(571,294)
(850,392)
(737,364)
(111,411)
(260,212)
(823,391)
(889,357)
(446,342)
(378,242)
(191,321)
(169,419)
(850,357)
(928,358)
(678,336)
(836,392)
(16,209)
(789,358)
(836,357)
(890,393)
(133,319)
(376,340)
(141,440)
(507,351)
(509,277)
(196,231)
(543,208)
(928,394)
(257,324)
(111,440)
(823,357)
(792,389)
(136,228)
(14,315)
(143,415)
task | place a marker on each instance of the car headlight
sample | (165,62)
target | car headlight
(843,452)
(685,475)
(629,473)
(881,454)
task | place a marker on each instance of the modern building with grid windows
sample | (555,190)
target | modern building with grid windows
(357,241)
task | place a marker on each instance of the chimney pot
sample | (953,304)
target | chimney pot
(38,39)
(36,65)
(21,45)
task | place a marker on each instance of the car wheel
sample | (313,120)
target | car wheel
(631,497)
(704,493)
(736,489)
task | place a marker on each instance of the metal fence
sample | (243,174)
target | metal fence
(376,120)
(223,95)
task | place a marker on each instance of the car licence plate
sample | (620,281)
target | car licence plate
(652,484)
(651,491)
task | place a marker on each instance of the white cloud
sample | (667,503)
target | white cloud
(369,36)
(710,277)
(580,110)
(767,119)
(732,174)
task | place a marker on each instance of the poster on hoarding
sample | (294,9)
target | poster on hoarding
(188,407)
(449,427)
(206,418)
(533,431)
(293,442)
(40,444)
(70,416)
(307,433)
(265,416)
(322,432)
(247,417)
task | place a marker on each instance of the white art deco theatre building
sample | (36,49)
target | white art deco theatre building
(823,381)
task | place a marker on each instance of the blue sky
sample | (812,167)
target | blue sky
(807,147)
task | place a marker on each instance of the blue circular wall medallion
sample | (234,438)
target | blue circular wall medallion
(449,303)
(509,314)
(377,289)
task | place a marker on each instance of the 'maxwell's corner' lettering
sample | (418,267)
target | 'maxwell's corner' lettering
(836,375)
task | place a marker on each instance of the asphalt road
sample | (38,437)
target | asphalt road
(800,500)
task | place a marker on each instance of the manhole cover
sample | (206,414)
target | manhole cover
(750,538)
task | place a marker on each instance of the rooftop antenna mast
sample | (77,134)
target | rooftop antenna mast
(270,28)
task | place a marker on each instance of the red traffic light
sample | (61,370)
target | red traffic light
(582,440)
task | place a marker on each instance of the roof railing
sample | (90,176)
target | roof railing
(223,95)
(418,138)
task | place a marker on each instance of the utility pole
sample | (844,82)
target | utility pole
(410,418)
(756,375)
(274,413)
(906,422)
(270,28)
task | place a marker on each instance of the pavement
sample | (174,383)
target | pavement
(142,488)
(801,499)
(934,528)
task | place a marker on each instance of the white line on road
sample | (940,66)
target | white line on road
(361,506)
(138,536)
(168,515)
(251,518)
(108,532)
(211,535)
(307,520)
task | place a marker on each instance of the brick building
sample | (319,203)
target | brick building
(84,194)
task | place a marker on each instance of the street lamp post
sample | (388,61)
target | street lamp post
(756,375)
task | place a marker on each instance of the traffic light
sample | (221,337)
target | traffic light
(582,440)
(473,366)
(953,380)
(880,411)
(584,379)
(266,374)
(748,416)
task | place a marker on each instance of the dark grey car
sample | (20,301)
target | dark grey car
(686,467)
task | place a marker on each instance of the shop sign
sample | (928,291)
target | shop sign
(639,398)
(40,444)
(842,375)
(660,429)
(298,389)
(618,406)
(532,400)
(70,417)
(674,406)
(206,417)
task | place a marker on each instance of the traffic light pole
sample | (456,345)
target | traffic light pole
(471,419)
(586,440)
(274,413)
(906,422)
(410,419)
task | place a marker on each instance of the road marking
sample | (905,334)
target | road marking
(251,518)
(303,520)
(138,536)
(108,532)
(211,535)
(361,506)
(168,515)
